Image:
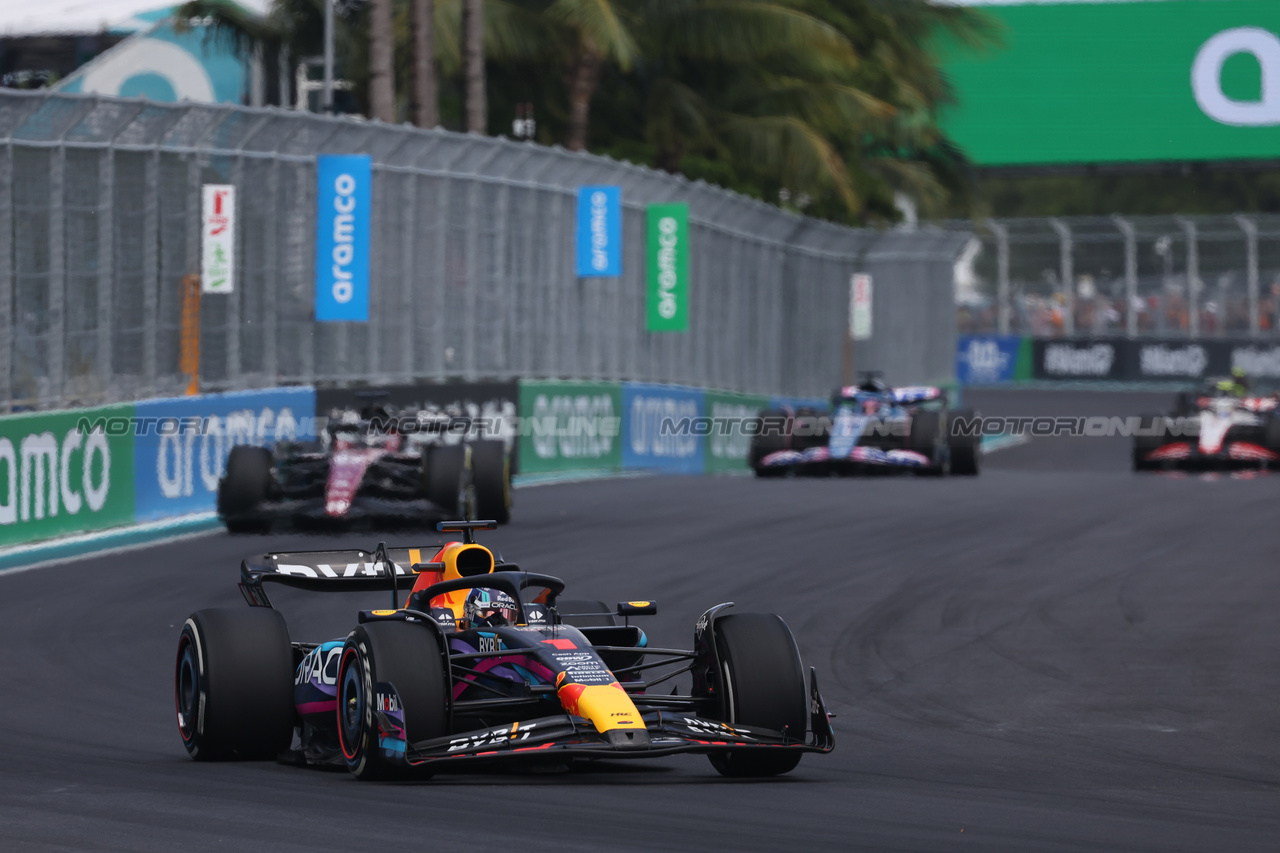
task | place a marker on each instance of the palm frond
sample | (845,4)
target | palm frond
(602,22)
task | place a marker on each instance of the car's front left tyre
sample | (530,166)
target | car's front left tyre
(762,684)
(233,684)
(406,656)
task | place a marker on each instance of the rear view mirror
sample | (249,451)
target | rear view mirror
(637,608)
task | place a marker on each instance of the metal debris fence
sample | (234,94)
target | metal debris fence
(472,274)
(1135,276)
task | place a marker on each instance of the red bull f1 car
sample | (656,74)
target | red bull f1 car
(1217,426)
(870,428)
(367,466)
(484,662)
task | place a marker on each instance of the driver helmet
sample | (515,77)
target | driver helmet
(870,407)
(489,608)
(1226,385)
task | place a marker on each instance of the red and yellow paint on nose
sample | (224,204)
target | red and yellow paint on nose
(607,706)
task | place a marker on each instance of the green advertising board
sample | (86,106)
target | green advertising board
(1117,82)
(668,263)
(728,443)
(56,480)
(570,426)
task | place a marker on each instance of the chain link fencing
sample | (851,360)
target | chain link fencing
(472,275)
(1135,276)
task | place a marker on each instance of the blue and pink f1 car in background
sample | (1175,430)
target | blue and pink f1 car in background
(870,428)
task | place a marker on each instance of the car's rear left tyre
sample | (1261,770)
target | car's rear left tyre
(926,438)
(771,436)
(244,489)
(965,449)
(407,656)
(582,613)
(1144,443)
(233,684)
(763,684)
(491,479)
(1271,436)
(446,478)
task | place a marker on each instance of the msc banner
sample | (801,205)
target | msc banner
(663,428)
(342,236)
(570,426)
(992,359)
(59,475)
(181,444)
(1153,360)
(668,258)
(599,234)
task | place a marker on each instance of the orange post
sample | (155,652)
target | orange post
(190,356)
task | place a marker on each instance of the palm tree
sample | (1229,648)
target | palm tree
(597,31)
(424,98)
(382,80)
(475,96)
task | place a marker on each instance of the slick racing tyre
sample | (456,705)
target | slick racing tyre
(812,428)
(1143,444)
(966,450)
(233,685)
(927,438)
(763,685)
(771,436)
(582,613)
(491,479)
(446,478)
(407,656)
(244,489)
(1271,435)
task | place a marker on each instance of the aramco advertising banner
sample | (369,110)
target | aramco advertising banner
(599,232)
(182,444)
(663,428)
(570,426)
(668,277)
(1088,82)
(60,475)
(343,192)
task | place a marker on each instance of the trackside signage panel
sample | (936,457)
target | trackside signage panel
(56,479)
(570,426)
(663,428)
(1121,81)
(599,232)
(182,444)
(218,238)
(668,259)
(992,359)
(342,236)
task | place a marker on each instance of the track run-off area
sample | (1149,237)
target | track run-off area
(1057,655)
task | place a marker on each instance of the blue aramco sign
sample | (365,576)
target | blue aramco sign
(599,233)
(342,237)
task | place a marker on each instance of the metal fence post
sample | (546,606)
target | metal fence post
(1002,275)
(150,269)
(1193,276)
(1067,274)
(1250,229)
(6,277)
(270,291)
(1130,274)
(106,271)
(57,274)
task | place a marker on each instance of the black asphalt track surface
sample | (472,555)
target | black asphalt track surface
(1057,655)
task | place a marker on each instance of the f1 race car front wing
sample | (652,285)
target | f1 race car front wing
(564,735)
